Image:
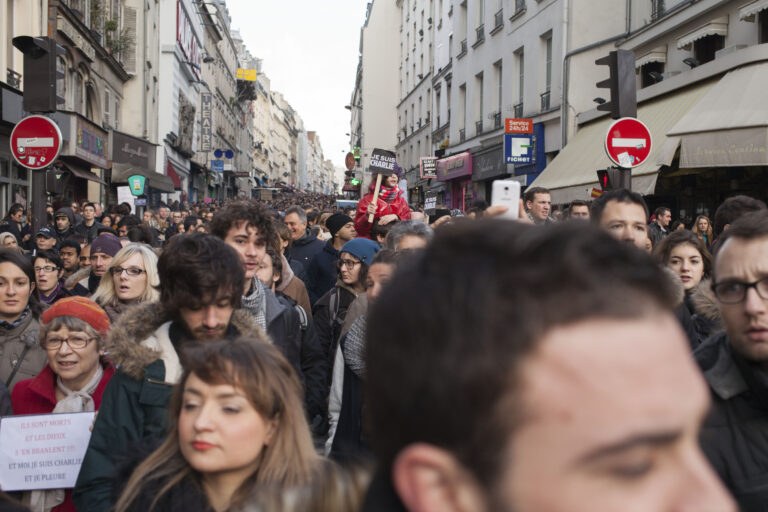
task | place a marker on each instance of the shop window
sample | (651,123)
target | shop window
(705,48)
(650,73)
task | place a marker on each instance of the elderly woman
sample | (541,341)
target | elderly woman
(131,279)
(72,381)
(7,240)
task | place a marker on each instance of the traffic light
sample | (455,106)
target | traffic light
(614,178)
(40,74)
(621,83)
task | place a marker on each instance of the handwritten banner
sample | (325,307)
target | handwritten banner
(382,162)
(43,451)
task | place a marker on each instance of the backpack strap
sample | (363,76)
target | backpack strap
(18,365)
(303,319)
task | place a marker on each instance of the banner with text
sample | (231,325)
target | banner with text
(430,203)
(428,166)
(43,451)
(206,106)
(382,162)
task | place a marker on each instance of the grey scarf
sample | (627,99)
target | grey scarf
(354,347)
(256,303)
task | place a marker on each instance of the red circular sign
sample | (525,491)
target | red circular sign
(35,142)
(349,161)
(628,142)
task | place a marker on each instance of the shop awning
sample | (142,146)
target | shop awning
(171,172)
(716,27)
(78,172)
(572,174)
(658,54)
(747,13)
(728,126)
(121,173)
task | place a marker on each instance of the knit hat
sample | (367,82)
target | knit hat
(362,249)
(398,170)
(107,243)
(337,221)
(47,232)
(79,307)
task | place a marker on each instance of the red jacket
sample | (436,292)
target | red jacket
(399,207)
(38,396)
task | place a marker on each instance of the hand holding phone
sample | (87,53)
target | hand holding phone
(506,193)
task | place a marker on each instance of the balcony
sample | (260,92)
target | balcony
(462,135)
(518,110)
(496,120)
(479,36)
(13,79)
(498,21)
(478,127)
(462,49)
(545,101)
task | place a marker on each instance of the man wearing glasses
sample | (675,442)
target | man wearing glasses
(735,363)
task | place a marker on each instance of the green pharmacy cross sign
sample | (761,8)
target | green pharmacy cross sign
(136,182)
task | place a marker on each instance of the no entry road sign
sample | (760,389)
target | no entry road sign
(628,142)
(35,142)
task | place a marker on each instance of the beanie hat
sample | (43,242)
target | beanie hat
(337,221)
(398,170)
(107,243)
(362,249)
(79,307)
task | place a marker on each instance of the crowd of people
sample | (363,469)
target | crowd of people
(289,355)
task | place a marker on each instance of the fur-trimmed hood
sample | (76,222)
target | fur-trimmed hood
(704,302)
(76,277)
(124,341)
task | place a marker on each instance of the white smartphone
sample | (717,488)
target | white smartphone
(506,193)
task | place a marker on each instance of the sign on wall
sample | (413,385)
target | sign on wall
(206,106)
(428,167)
(187,39)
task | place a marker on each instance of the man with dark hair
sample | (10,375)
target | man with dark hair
(538,204)
(305,243)
(658,228)
(201,281)
(535,381)
(126,223)
(49,277)
(577,210)
(64,223)
(623,214)
(45,240)
(89,226)
(321,272)
(12,223)
(733,208)
(69,251)
(248,229)
(735,363)
(190,224)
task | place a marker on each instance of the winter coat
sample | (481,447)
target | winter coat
(293,287)
(20,347)
(398,206)
(329,313)
(322,272)
(134,406)
(6,409)
(303,250)
(90,232)
(656,233)
(381,495)
(77,282)
(706,314)
(735,435)
(62,235)
(38,396)
(8,225)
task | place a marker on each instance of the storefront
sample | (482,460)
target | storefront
(14,179)
(456,172)
(488,166)
(131,156)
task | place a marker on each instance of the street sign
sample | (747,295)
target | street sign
(628,142)
(36,142)
(217,165)
(349,161)
(428,165)
(136,183)
(518,148)
(512,125)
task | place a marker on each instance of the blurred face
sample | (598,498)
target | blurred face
(580,212)
(220,431)
(147,216)
(15,289)
(703,225)
(625,221)
(295,225)
(89,212)
(266,272)
(378,275)
(391,181)
(411,242)
(162,212)
(349,268)
(602,452)
(107,221)
(209,320)
(249,245)
(75,366)
(745,261)
(17,216)
(664,219)
(122,230)
(347,232)
(176,217)
(69,258)
(75,207)
(85,256)
(100,262)
(129,284)
(540,206)
(44,243)
(686,261)
(47,275)
(62,223)
(10,242)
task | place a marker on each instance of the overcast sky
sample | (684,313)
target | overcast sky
(310,53)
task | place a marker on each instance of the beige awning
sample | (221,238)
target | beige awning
(716,27)
(658,54)
(572,174)
(747,12)
(729,125)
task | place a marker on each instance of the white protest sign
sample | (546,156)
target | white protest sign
(124,196)
(43,451)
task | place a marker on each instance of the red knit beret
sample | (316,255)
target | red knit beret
(79,307)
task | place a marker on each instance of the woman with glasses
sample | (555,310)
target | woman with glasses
(72,381)
(131,279)
(49,277)
(21,356)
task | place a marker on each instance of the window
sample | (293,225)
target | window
(705,48)
(548,63)
(657,9)
(497,69)
(116,115)
(479,103)
(61,83)
(462,105)
(650,73)
(520,75)
(437,107)
(77,93)
(107,103)
(480,12)
(762,27)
